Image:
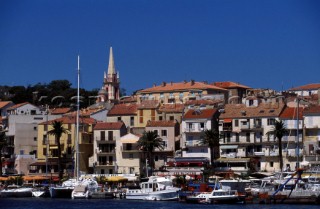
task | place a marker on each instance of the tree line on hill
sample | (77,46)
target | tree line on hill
(42,94)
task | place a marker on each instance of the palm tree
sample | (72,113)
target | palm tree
(211,139)
(279,130)
(57,132)
(148,142)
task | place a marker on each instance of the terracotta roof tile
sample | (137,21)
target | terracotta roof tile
(203,102)
(313,109)
(290,113)
(72,120)
(171,108)
(230,85)
(182,86)
(162,123)
(242,111)
(18,105)
(61,110)
(85,112)
(312,86)
(4,103)
(108,126)
(205,113)
(128,99)
(123,109)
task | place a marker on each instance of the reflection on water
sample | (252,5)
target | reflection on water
(41,203)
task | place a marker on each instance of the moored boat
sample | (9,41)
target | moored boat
(16,191)
(157,188)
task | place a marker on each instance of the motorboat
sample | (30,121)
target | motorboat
(16,191)
(84,189)
(41,192)
(218,196)
(64,190)
(156,188)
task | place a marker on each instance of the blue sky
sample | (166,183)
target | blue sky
(258,43)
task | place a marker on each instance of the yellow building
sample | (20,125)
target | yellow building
(67,141)
(182,92)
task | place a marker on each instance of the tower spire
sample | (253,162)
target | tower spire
(111,67)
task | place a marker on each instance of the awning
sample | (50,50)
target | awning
(228,146)
(129,141)
(227,120)
(44,163)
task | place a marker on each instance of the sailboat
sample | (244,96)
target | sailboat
(83,188)
(67,187)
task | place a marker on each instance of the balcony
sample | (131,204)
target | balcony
(105,152)
(260,153)
(227,128)
(194,130)
(106,140)
(250,127)
(104,163)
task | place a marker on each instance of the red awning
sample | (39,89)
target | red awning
(227,120)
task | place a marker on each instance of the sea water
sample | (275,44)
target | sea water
(55,203)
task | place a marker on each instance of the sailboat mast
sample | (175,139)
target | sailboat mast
(77,128)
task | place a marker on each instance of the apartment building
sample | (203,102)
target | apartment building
(106,137)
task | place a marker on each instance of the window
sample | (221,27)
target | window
(141,116)
(248,137)
(131,170)
(160,118)
(156,131)
(119,118)
(102,136)
(153,115)
(156,158)
(228,137)
(171,118)
(131,121)
(163,132)
(44,151)
(237,137)
(131,156)
(202,126)
(271,164)
(250,102)
(271,121)
(35,128)
(236,123)
(110,135)
(35,139)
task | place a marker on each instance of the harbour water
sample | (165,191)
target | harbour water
(51,203)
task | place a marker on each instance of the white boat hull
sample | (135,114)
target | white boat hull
(164,195)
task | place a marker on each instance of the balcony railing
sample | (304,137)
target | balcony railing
(194,129)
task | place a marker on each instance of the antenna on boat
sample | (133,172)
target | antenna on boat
(77,125)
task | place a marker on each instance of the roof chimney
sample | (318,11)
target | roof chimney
(163,84)
(192,82)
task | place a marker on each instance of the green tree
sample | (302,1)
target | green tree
(279,130)
(148,142)
(211,139)
(57,132)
